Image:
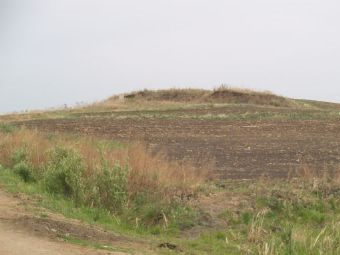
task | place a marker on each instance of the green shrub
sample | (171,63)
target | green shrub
(220,236)
(64,174)
(7,128)
(155,214)
(111,187)
(247,217)
(20,155)
(184,217)
(25,171)
(21,165)
(152,214)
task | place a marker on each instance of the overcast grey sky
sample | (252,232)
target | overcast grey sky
(63,51)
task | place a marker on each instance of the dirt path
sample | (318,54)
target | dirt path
(24,233)
(14,241)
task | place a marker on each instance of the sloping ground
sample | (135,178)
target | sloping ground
(241,97)
(319,105)
(22,232)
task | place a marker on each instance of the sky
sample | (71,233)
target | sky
(56,52)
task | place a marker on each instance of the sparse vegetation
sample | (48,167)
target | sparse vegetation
(6,128)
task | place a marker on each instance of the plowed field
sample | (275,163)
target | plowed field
(241,149)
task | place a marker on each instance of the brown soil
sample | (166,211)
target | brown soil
(23,232)
(241,149)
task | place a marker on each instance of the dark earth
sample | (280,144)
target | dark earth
(241,149)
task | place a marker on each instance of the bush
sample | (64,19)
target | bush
(6,128)
(20,155)
(111,186)
(21,165)
(25,171)
(64,174)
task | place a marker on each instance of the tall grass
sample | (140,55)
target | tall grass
(100,173)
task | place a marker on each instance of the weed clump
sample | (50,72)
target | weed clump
(6,128)
(25,171)
(20,155)
(22,166)
(64,174)
(111,186)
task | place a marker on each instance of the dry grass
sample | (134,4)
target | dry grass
(229,88)
(175,178)
(35,144)
(248,96)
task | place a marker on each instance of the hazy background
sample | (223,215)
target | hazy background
(66,51)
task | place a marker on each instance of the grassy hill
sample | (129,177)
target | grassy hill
(223,102)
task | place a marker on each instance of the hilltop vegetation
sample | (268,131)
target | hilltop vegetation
(221,95)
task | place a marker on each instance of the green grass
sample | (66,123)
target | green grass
(7,128)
